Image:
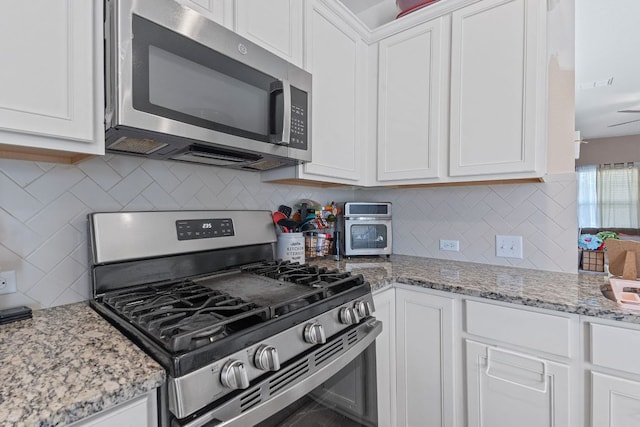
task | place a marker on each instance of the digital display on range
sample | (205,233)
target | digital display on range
(191,229)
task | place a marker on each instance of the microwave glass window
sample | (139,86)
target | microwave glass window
(188,87)
(368,236)
(179,79)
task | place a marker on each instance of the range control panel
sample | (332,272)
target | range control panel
(204,228)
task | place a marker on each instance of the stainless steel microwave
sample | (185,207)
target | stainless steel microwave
(367,228)
(181,87)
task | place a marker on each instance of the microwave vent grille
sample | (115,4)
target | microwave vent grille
(136,145)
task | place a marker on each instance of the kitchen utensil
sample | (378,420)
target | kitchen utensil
(290,225)
(285,210)
(277,216)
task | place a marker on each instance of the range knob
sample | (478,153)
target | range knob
(234,375)
(349,316)
(314,334)
(266,358)
(363,308)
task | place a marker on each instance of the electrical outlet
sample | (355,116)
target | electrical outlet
(509,246)
(7,282)
(449,245)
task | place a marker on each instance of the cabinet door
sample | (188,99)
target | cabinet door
(277,25)
(425,336)
(220,11)
(411,107)
(336,59)
(615,402)
(51,78)
(385,311)
(506,389)
(497,88)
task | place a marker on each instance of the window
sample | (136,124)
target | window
(608,196)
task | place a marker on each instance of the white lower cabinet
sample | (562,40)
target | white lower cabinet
(385,311)
(615,375)
(462,361)
(521,366)
(507,388)
(138,412)
(615,402)
(425,359)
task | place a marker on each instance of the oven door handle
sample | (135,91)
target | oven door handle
(282,400)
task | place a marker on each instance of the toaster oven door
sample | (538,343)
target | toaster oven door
(367,236)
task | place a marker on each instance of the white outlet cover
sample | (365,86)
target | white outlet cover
(7,282)
(509,246)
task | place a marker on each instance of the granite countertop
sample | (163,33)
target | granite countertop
(68,363)
(571,293)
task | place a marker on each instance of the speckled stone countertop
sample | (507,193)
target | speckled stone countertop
(68,363)
(572,293)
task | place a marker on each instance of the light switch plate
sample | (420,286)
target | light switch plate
(509,246)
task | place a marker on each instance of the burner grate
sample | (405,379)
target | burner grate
(185,315)
(302,274)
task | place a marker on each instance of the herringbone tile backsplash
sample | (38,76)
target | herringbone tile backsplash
(43,209)
(544,214)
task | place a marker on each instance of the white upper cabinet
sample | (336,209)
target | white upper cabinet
(276,25)
(498,88)
(412,83)
(335,55)
(51,82)
(220,11)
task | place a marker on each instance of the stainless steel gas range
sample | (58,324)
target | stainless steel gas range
(246,339)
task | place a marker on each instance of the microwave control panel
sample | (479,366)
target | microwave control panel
(299,119)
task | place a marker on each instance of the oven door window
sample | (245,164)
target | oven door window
(368,236)
(348,399)
(179,79)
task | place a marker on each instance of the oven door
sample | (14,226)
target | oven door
(367,236)
(335,384)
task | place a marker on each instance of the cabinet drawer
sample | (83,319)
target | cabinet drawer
(537,331)
(615,348)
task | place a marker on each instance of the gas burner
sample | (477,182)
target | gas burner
(302,274)
(184,315)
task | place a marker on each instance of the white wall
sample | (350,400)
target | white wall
(43,210)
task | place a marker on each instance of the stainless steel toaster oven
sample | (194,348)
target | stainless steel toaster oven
(367,228)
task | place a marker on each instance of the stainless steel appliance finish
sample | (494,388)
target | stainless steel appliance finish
(245,338)
(367,228)
(181,87)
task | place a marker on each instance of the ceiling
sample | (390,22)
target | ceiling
(607,68)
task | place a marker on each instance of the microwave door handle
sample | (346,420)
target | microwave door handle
(285,87)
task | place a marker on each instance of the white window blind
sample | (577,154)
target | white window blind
(608,196)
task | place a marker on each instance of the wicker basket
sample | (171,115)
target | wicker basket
(592,260)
